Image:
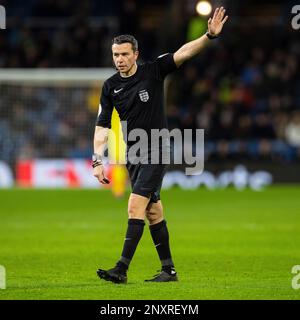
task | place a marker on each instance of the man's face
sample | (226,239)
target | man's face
(124,57)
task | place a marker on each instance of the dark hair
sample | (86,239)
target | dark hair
(126,38)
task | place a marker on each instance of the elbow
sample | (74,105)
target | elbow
(177,58)
(180,58)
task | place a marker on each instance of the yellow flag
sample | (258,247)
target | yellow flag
(116,152)
(116,144)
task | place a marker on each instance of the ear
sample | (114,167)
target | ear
(136,54)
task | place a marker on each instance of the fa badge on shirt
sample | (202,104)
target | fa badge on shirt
(144,95)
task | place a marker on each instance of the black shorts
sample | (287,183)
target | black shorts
(146,179)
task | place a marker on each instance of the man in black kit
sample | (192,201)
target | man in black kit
(136,91)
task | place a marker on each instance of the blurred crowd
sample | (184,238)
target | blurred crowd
(51,33)
(246,95)
(243,90)
(66,33)
(47,121)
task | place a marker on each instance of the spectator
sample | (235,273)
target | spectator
(292,131)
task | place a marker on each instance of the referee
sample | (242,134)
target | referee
(136,91)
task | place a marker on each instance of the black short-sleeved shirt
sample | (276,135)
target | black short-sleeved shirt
(138,98)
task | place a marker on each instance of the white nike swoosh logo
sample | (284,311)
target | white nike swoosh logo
(157,245)
(116,91)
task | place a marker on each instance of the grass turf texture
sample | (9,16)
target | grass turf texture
(226,244)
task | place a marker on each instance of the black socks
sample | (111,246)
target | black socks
(160,236)
(133,235)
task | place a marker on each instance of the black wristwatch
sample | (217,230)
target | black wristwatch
(97,160)
(209,36)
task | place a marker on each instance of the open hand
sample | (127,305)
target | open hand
(215,24)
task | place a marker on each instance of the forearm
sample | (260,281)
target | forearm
(100,139)
(190,49)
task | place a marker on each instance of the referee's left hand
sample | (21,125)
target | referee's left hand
(216,23)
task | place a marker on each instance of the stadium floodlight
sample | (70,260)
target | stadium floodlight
(203,8)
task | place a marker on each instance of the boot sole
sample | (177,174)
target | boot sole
(169,280)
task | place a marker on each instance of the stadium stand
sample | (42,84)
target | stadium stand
(244,93)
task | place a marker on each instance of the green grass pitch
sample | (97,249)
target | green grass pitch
(226,244)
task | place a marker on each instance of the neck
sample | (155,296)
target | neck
(130,72)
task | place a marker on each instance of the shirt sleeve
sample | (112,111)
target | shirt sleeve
(105,108)
(163,65)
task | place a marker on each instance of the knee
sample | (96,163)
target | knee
(154,216)
(135,211)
